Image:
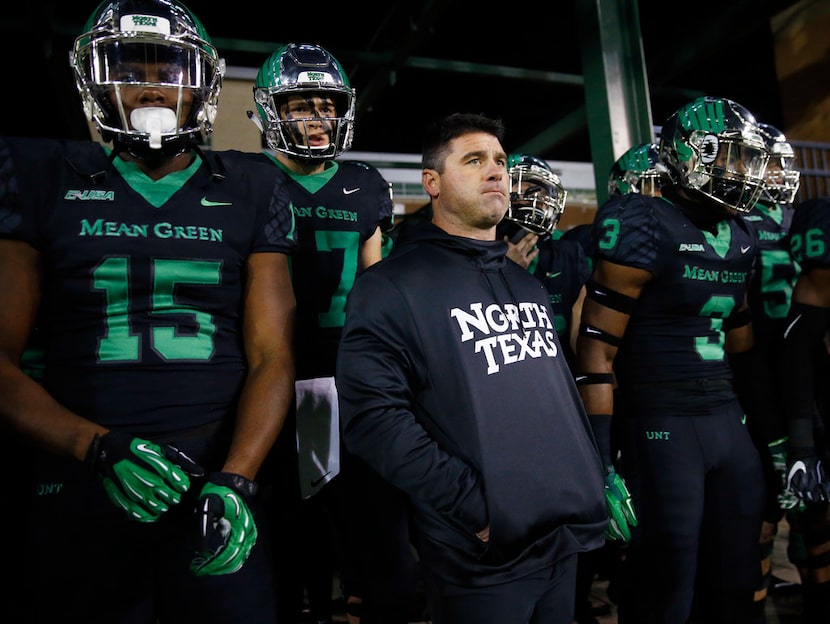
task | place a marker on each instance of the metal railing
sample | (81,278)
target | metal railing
(813,160)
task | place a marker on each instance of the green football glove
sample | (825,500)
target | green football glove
(227,531)
(142,478)
(620,508)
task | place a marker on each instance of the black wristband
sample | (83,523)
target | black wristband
(601,425)
(739,318)
(237,483)
(91,457)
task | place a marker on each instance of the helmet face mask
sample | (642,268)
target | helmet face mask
(537,197)
(781,180)
(130,46)
(636,171)
(713,147)
(305,104)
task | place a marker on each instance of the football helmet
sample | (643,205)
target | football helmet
(636,171)
(304,70)
(782,179)
(537,197)
(713,147)
(152,44)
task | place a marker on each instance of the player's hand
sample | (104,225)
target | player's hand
(227,531)
(785,497)
(142,478)
(523,251)
(621,516)
(807,479)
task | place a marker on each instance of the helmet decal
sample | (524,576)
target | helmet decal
(709,147)
(145,23)
(703,115)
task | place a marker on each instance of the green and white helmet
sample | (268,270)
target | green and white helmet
(154,44)
(714,148)
(304,70)
(636,171)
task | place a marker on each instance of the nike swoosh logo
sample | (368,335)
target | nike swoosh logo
(790,326)
(745,249)
(591,330)
(579,378)
(350,191)
(797,467)
(206,202)
(552,275)
(316,482)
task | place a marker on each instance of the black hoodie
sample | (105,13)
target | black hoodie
(454,387)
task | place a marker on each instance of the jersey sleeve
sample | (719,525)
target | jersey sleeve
(626,231)
(267,187)
(809,234)
(25,192)
(280,228)
(383,191)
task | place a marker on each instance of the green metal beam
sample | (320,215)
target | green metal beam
(616,89)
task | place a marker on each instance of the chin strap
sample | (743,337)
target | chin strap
(97,177)
(216,174)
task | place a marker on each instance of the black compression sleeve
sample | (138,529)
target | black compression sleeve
(754,385)
(806,326)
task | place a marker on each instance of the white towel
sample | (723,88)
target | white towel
(318,433)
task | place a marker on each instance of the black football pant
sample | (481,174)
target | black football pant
(698,489)
(544,597)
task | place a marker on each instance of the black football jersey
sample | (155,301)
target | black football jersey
(771,289)
(810,234)
(563,268)
(335,212)
(675,332)
(142,280)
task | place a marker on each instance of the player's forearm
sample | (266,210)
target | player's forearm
(261,414)
(29,410)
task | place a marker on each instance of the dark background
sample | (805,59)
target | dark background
(413,61)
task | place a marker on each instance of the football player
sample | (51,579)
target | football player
(158,277)
(805,365)
(658,319)
(305,109)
